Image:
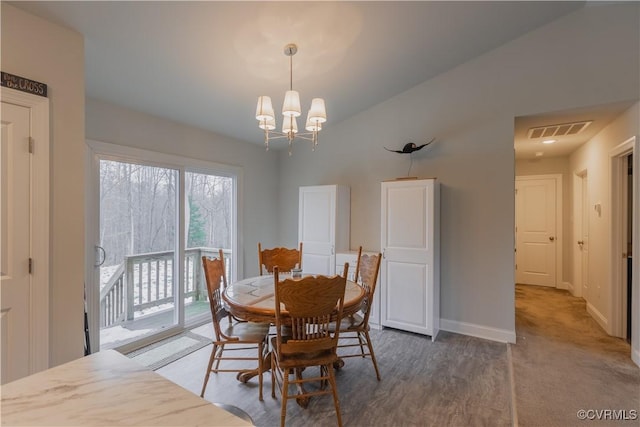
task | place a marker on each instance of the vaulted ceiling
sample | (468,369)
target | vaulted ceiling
(205,63)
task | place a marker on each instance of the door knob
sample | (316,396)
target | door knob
(552,238)
(581,242)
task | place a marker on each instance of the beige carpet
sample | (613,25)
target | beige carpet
(564,362)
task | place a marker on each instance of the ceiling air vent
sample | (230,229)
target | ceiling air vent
(558,130)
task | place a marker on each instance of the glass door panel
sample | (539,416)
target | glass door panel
(209,227)
(138,223)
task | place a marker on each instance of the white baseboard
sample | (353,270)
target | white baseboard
(598,317)
(479,331)
(570,288)
(566,286)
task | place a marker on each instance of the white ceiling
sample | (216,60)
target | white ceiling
(205,63)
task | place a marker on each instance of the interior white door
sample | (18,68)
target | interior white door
(407,239)
(15,236)
(317,228)
(536,238)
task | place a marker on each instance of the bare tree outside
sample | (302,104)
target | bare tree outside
(138,210)
(138,224)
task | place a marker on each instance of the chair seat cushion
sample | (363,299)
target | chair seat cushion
(247,331)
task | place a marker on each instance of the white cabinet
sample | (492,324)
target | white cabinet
(352,258)
(409,272)
(323,226)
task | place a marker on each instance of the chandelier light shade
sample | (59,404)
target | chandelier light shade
(264,111)
(317,112)
(267,124)
(289,125)
(290,111)
(291,105)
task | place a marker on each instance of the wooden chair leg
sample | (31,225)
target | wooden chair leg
(206,377)
(361,344)
(285,396)
(218,357)
(334,390)
(260,370)
(372,354)
(273,376)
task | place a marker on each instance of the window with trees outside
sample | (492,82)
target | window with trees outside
(142,292)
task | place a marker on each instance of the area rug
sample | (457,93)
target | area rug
(163,352)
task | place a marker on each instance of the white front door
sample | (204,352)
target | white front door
(15,235)
(536,238)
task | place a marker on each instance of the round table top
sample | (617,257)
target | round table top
(253,299)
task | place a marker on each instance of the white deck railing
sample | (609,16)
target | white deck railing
(145,281)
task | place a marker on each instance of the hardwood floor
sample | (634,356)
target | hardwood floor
(456,381)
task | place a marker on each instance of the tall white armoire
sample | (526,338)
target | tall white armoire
(323,226)
(410,268)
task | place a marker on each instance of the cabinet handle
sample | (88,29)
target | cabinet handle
(384,253)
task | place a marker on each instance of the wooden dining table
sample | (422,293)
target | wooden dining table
(253,300)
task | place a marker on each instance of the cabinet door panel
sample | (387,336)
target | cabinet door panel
(406,300)
(317,216)
(323,226)
(407,210)
(317,264)
(409,270)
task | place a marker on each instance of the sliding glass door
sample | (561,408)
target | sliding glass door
(208,224)
(155,223)
(138,247)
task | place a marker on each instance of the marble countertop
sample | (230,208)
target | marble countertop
(103,389)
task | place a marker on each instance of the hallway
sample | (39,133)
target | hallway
(564,362)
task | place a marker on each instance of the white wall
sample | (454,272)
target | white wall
(110,123)
(42,51)
(471,110)
(594,158)
(552,166)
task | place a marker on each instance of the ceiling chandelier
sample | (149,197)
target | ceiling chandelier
(290,111)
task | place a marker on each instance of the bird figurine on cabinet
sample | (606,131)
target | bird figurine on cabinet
(410,148)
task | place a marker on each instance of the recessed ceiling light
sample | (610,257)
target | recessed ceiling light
(539,154)
(548,141)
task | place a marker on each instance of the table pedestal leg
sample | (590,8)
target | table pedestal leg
(245,376)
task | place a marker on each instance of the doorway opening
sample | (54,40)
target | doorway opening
(629,254)
(622,216)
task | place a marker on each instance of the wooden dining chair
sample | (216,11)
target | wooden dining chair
(230,335)
(286,259)
(356,326)
(305,307)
